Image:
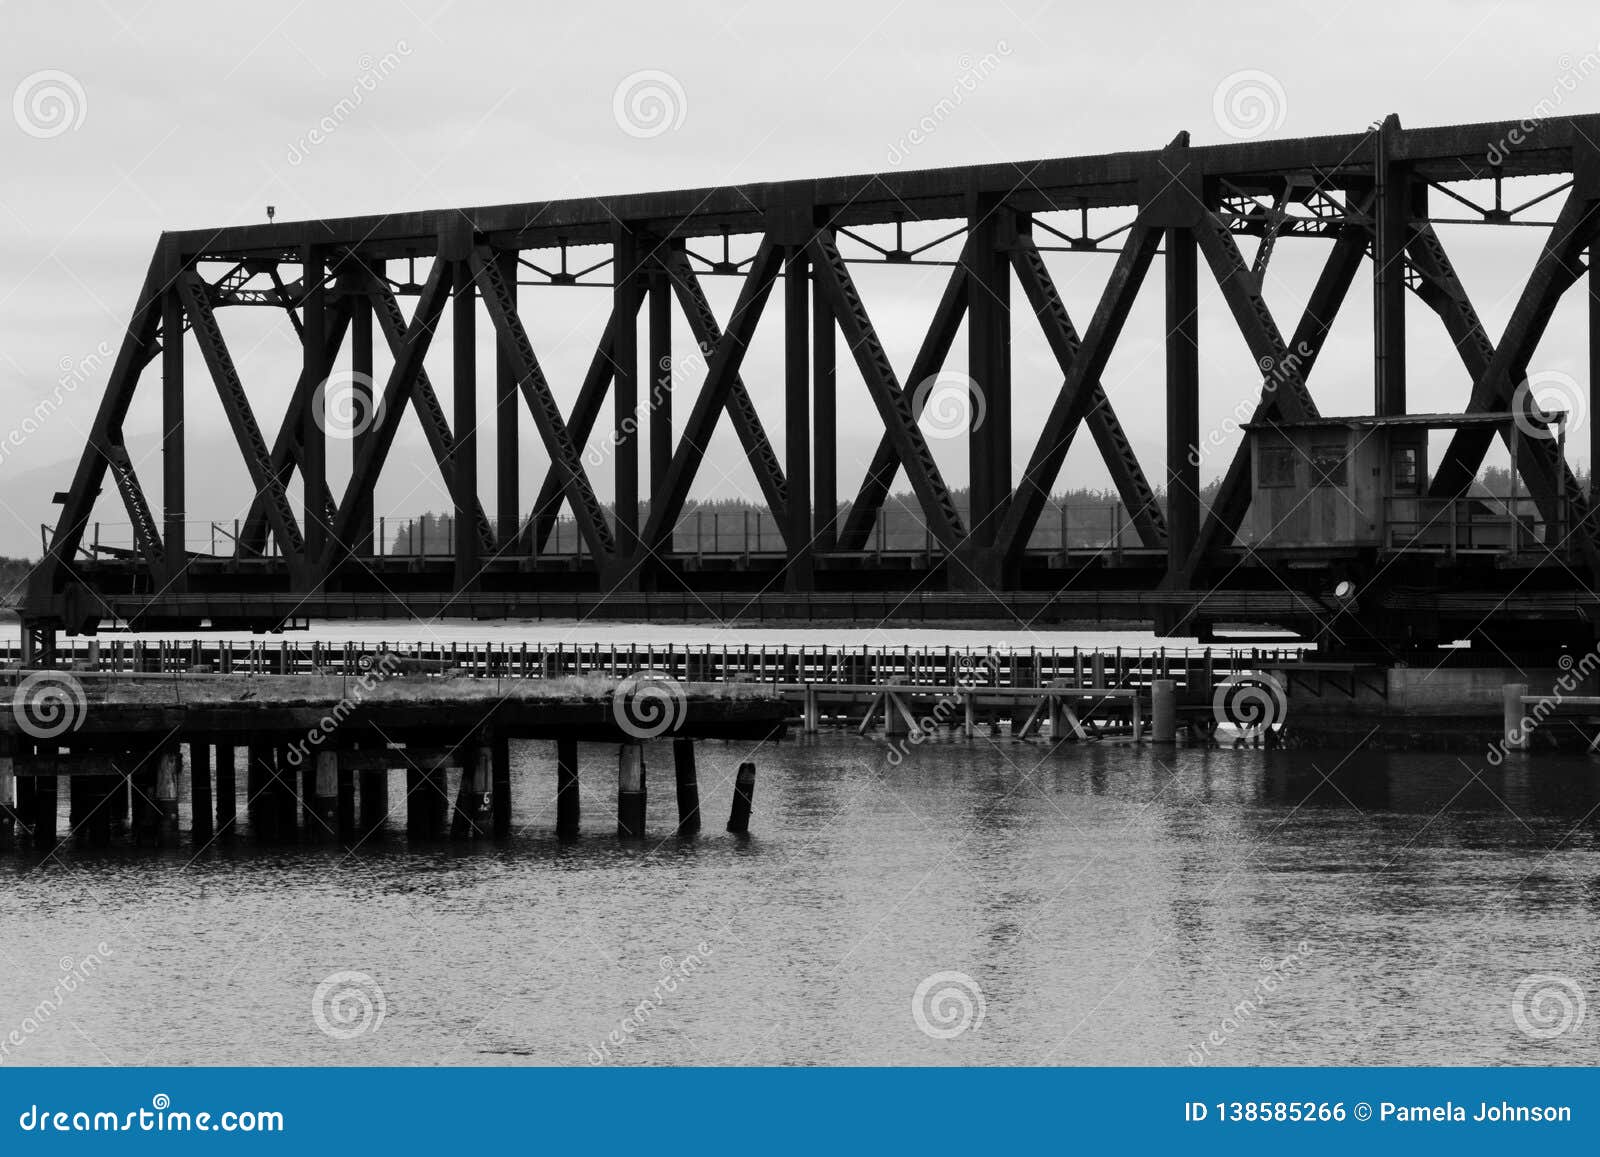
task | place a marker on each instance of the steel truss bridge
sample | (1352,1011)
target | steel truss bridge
(1376,196)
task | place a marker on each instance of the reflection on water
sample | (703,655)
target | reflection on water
(1113,905)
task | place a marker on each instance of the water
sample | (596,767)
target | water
(1112,905)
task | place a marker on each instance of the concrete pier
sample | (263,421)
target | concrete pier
(500,786)
(1516,736)
(470,818)
(373,785)
(1164,711)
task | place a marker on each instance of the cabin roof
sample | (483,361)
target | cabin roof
(1414,421)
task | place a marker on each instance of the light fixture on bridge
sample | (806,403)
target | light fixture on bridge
(272,211)
(1344,590)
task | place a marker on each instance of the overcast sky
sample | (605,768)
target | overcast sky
(177,115)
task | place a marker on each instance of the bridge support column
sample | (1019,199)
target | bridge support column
(346,817)
(286,799)
(567,803)
(744,798)
(630,790)
(200,823)
(688,786)
(227,793)
(500,786)
(812,719)
(167,797)
(1164,711)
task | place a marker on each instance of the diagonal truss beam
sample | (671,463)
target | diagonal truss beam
(410,347)
(1109,436)
(1241,289)
(499,296)
(930,359)
(286,447)
(257,458)
(140,343)
(580,424)
(1233,495)
(741,410)
(435,425)
(893,403)
(1556,491)
(1073,399)
(1559,265)
(667,503)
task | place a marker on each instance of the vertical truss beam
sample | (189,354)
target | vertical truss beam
(507,408)
(721,374)
(991,233)
(625,299)
(172,427)
(1391,208)
(825,421)
(1073,399)
(355,304)
(500,298)
(893,403)
(661,366)
(797,419)
(313,429)
(1183,397)
(464,454)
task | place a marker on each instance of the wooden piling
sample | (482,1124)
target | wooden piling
(500,786)
(345,817)
(1516,735)
(374,791)
(416,821)
(567,802)
(44,812)
(8,796)
(227,792)
(468,819)
(688,786)
(260,804)
(811,721)
(744,798)
(1164,711)
(323,822)
(167,796)
(81,800)
(200,821)
(285,796)
(630,790)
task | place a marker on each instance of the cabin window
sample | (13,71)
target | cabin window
(1328,462)
(1277,465)
(1405,470)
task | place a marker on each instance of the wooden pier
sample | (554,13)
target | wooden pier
(314,753)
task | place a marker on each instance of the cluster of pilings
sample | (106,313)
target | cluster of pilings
(326,795)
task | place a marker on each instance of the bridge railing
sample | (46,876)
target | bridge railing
(1196,671)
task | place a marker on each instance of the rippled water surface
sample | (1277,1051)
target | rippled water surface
(1112,905)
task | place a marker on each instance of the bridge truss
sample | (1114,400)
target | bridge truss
(1375,196)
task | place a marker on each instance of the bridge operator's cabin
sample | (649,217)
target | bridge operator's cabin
(1340,483)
